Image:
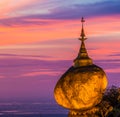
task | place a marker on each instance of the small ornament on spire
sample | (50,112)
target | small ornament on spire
(82,19)
(82,38)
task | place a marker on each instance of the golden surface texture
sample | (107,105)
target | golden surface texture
(81,87)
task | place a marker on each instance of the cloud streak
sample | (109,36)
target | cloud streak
(9,8)
(90,10)
(20,67)
(105,8)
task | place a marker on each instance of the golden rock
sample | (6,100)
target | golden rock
(82,86)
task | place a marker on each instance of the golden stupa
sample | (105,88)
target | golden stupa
(82,86)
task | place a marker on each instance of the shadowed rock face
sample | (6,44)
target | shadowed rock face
(81,88)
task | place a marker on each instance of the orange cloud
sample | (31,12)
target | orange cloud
(107,27)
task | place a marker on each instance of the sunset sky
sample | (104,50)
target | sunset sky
(39,41)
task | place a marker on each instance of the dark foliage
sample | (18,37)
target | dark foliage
(112,95)
(112,99)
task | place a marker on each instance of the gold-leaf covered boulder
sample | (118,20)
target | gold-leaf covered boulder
(82,86)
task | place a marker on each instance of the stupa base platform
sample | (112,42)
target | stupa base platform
(101,110)
(88,113)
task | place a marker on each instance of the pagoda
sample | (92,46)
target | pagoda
(82,86)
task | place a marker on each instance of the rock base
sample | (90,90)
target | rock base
(88,113)
(101,110)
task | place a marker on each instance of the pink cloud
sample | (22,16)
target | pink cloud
(2,76)
(45,72)
(114,70)
(103,26)
(10,7)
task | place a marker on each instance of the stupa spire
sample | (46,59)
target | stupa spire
(82,58)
